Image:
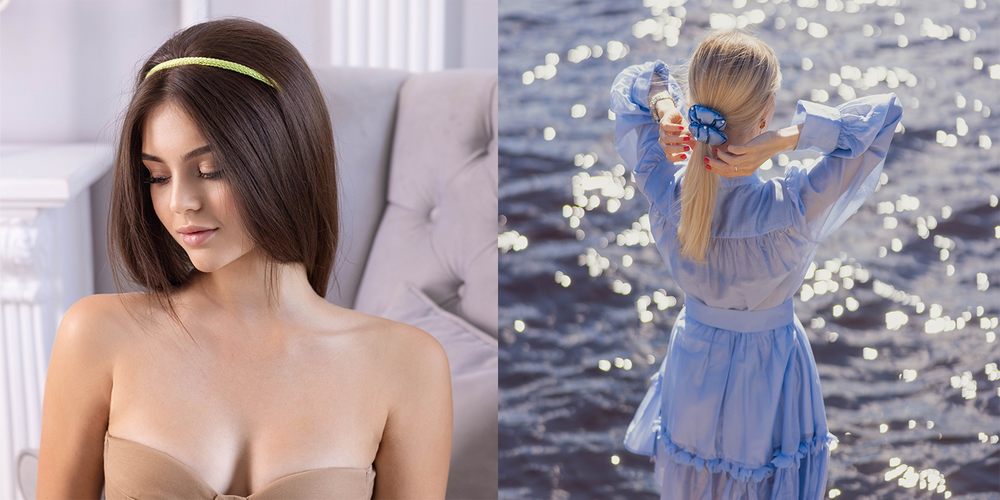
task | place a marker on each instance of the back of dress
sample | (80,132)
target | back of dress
(764,234)
(736,410)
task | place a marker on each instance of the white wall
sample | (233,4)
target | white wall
(66,64)
(479,42)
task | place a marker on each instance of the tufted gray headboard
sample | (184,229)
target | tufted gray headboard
(438,229)
(362,106)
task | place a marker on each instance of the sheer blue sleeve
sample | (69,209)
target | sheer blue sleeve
(637,133)
(854,139)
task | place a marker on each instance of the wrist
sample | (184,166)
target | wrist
(659,103)
(788,138)
(663,107)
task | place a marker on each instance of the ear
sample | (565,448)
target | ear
(765,119)
(769,109)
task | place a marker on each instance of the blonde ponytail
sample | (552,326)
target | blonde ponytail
(698,192)
(734,74)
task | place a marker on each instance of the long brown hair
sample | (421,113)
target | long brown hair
(275,145)
(735,74)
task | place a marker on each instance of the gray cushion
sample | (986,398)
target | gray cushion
(27,473)
(438,230)
(362,106)
(472,356)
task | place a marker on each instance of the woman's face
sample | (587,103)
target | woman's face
(189,194)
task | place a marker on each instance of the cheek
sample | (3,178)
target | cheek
(225,208)
(161,205)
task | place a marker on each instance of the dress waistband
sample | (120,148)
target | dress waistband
(740,321)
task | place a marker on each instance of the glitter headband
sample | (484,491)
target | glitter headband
(208,61)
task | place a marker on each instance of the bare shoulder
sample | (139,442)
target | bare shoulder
(405,349)
(77,401)
(109,306)
(101,323)
(91,320)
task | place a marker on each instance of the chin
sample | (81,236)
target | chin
(207,265)
(207,261)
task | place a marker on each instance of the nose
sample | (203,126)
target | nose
(185,195)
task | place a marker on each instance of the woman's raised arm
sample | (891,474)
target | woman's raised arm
(854,139)
(77,403)
(637,133)
(744,160)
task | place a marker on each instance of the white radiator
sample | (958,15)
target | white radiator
(25,305)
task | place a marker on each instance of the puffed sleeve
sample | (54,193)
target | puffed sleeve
(854,139)
(637,133)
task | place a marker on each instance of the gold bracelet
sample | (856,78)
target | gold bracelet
(657,98)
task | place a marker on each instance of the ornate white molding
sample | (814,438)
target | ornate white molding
(46,265)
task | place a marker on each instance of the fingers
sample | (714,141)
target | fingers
(707,162)
(671,129)
(724,169)
(739,150)
(675,145)
(674,140)
(727,156)
(675,152)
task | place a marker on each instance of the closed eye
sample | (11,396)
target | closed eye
(204,175)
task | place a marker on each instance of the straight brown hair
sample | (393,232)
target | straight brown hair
(274,145)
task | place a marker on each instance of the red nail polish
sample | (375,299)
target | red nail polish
(686,139)
(706,160)
(680,128)
(716,151)
(708,166)
(687,148)
(684,157)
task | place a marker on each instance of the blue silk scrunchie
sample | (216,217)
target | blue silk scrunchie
(706,125)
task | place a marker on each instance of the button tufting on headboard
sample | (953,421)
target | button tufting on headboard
(443,169)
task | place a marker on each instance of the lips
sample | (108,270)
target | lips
(196,235)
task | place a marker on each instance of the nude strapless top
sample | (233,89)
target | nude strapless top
(134,471)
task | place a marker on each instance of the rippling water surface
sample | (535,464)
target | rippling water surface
(902,305)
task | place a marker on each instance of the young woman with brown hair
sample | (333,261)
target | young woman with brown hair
(230,375)
(736,411)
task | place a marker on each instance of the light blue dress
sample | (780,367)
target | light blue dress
(735,411)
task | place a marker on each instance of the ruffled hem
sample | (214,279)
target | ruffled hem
(647,436)
(809,447)
(788,408)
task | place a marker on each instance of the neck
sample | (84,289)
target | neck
(741,139)
(238,292)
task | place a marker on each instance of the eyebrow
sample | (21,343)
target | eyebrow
(197,152)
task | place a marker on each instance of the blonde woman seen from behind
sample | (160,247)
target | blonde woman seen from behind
(736,410)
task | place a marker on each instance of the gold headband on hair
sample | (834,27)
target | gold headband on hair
(208,61)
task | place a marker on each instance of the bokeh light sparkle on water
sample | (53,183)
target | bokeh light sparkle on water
(901,304)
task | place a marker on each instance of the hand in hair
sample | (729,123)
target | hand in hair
(675,138)
(743,160)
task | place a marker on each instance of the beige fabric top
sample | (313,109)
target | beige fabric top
(133,471)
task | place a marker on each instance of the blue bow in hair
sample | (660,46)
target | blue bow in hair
(706,125)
